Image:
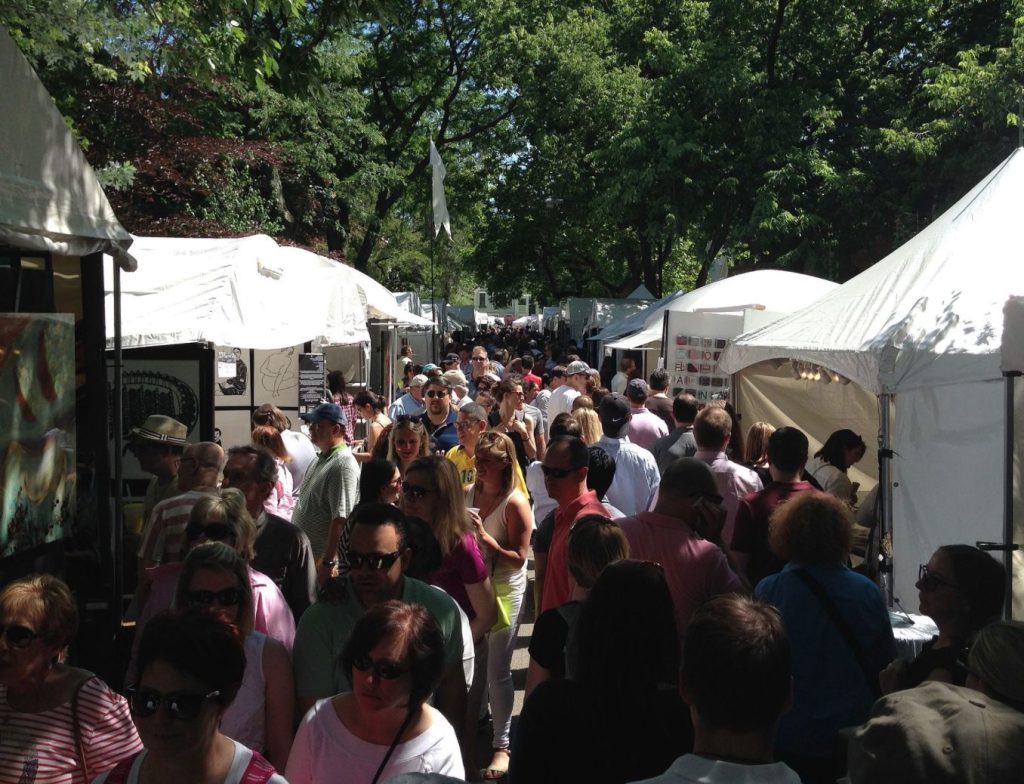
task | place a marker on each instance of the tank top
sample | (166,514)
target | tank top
(494,524)
(244,720)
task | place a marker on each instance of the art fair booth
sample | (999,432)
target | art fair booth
(921,330)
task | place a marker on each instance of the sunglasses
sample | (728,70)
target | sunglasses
(382,670)
(374,561)
(926,581)
(183,706)
(479,359)
(415,492)
(556,473)
(229,597)
(215,532)
(436,393)
(17,636)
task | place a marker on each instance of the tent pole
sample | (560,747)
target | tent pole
(885,496)
(117,532)
(1008,495)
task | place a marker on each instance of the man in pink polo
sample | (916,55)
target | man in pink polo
(683,534)
(645,427)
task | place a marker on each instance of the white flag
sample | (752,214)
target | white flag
(437,188)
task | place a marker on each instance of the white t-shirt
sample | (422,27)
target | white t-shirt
(325,748)
(560,402)
(238,766)
(694,769)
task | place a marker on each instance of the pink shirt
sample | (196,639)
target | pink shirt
(734,481)
(696,569)
(645,427)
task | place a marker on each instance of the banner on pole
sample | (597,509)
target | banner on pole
(437,191)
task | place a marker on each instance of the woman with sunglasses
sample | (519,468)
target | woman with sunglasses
(382,727)
(215,579)
(190,667)
(222,518)
(961,588)
(503,525)
(57,721)
(510,418)
(407,441)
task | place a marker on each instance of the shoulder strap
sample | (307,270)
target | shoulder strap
(843,628)
(76,729)
(258,771)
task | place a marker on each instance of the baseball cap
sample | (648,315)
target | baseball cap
(330,412)
(455,377)
(429,366)
(579,366)
(450,358)
(418,380)
(614,412)
(161,430)
(637,389)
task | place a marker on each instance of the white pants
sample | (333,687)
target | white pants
(500,647)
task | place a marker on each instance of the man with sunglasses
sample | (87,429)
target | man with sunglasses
(439,418)
(565,479)
(682,534)
(379,557)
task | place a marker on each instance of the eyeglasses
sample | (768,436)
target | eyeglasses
(479,359)
(415,492)
(557,473)
(215,532)
(184,706)
(229,597)
(466,425)
(437,393)
(373,561)
(382,670)
(926,581)
(18,636)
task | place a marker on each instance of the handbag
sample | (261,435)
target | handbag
(503,598)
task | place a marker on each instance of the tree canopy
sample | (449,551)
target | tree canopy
(590,146)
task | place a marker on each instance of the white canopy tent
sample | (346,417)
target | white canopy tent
(50,199)
(921,329)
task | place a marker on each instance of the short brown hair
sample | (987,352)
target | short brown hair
(49,599)
(812,528)
(712,427)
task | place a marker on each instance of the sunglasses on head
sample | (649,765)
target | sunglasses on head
(374,561)
(18,636)
(926,581)
(184,706)
(436,393)
(214,532)
(382,670)
(229,597)
(556,473)
(415,491)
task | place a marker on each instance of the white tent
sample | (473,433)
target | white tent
(247,292)
(775,291)
(922,327)
(50,199)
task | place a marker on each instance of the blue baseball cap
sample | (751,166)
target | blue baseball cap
(330,412)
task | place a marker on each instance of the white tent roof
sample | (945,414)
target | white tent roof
(640,292)
(50,199)
(776,291)
(929,313)
(247,292)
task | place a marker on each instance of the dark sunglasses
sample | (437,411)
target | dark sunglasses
(415,491)
(229,597)
(215,532)
(180,705)
(437,393)
(478,359)
(556,473)
(374,561)
(18,636)
(926,581)
(382,670)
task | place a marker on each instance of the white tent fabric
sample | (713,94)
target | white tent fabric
(50,199)
(929,313)
(640,292)
(237,292)
(925,323)
(776,291)
(382,305)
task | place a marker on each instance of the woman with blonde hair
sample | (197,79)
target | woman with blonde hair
(58,721)
(281,500)
(407,441)
(590,425)
(261,717)
(503,523)
(755,454)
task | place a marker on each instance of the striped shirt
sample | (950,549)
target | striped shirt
(40,747)
(164,538)
(328,491)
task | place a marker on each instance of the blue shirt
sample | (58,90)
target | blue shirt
(829,687)
(442,437)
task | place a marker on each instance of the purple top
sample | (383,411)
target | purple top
(461,567)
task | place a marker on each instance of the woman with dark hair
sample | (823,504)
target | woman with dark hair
(371,407)
(619,717)
(339,394)
(511,419)
(190,667)
(961,588)
(379,482)
(57,721)
(830,463)
(840,629)
(383,727)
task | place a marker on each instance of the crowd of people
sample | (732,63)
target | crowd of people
(342,603)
